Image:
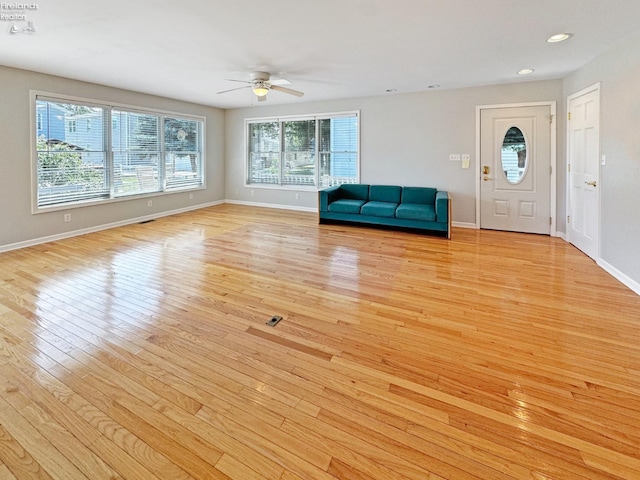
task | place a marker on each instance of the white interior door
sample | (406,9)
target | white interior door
(584,170)
(515,168)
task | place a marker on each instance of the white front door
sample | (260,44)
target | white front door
(584,170)
(515,168)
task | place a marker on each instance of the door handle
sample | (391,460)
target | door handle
(592,184)
(485,178)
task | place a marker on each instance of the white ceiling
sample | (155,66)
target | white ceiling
(328,49)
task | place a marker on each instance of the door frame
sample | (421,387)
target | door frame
(592,88)
(552,157)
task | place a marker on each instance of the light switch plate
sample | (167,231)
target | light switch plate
(454,157)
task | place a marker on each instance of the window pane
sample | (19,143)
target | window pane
(71,152)
(183,159)
(136,153)
(338,150)
(264,153)
(299,152)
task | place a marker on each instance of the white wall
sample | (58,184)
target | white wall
(405,139)
(618,72)
(18,225)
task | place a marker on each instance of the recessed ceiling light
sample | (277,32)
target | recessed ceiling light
(525,71)
(559,37)
(391,90)
(435,85)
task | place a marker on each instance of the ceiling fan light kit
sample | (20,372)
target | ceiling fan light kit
(260,88)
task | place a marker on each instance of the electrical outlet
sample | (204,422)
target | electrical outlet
(297,196)
(149,203)
(67,217)
(191,196)
(252,193)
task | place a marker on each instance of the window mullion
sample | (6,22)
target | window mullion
(316,153)
(282,153)
(161,161)
(108,147)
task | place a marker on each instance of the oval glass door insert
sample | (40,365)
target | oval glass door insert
(514,155)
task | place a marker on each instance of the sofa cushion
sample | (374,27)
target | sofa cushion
(346,205)
(420,195)
(416,211)
(379,209)
(356,191)
(385,193)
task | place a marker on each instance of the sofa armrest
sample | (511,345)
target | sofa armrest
(443,210)
(442,206)
(326,196)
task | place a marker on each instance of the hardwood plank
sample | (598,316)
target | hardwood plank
(18,459)
(5,473)
(236,470)
(42,449)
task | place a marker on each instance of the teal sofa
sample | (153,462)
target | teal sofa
(419,208)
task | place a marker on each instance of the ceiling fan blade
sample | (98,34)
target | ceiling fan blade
(280,81)
(234,80)
(287,90)
(234,89)
(262,98)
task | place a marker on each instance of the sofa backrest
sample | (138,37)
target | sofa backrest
(385,193)
(354,191)
(421,195)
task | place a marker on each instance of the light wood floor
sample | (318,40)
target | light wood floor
(142,352)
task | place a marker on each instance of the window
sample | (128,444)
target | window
(182,155)
(66,171)
(121,152)
(313,151)
(136,153)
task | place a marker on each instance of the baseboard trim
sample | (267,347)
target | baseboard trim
(618,275)
(272,205)
(98,228)
(464,225)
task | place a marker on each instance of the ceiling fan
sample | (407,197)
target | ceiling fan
(261,84)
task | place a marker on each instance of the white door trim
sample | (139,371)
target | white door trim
(552,159)
(593,88)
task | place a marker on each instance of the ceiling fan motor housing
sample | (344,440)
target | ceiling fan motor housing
(260,76)
(261,84)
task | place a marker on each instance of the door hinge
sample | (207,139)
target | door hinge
(550,170)
(550,220)
(568,167)
(569,116)
(568,219)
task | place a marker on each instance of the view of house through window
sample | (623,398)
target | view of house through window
(314,151)
(88,152)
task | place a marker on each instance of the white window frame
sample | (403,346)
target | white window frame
(36,95)
(317,117)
